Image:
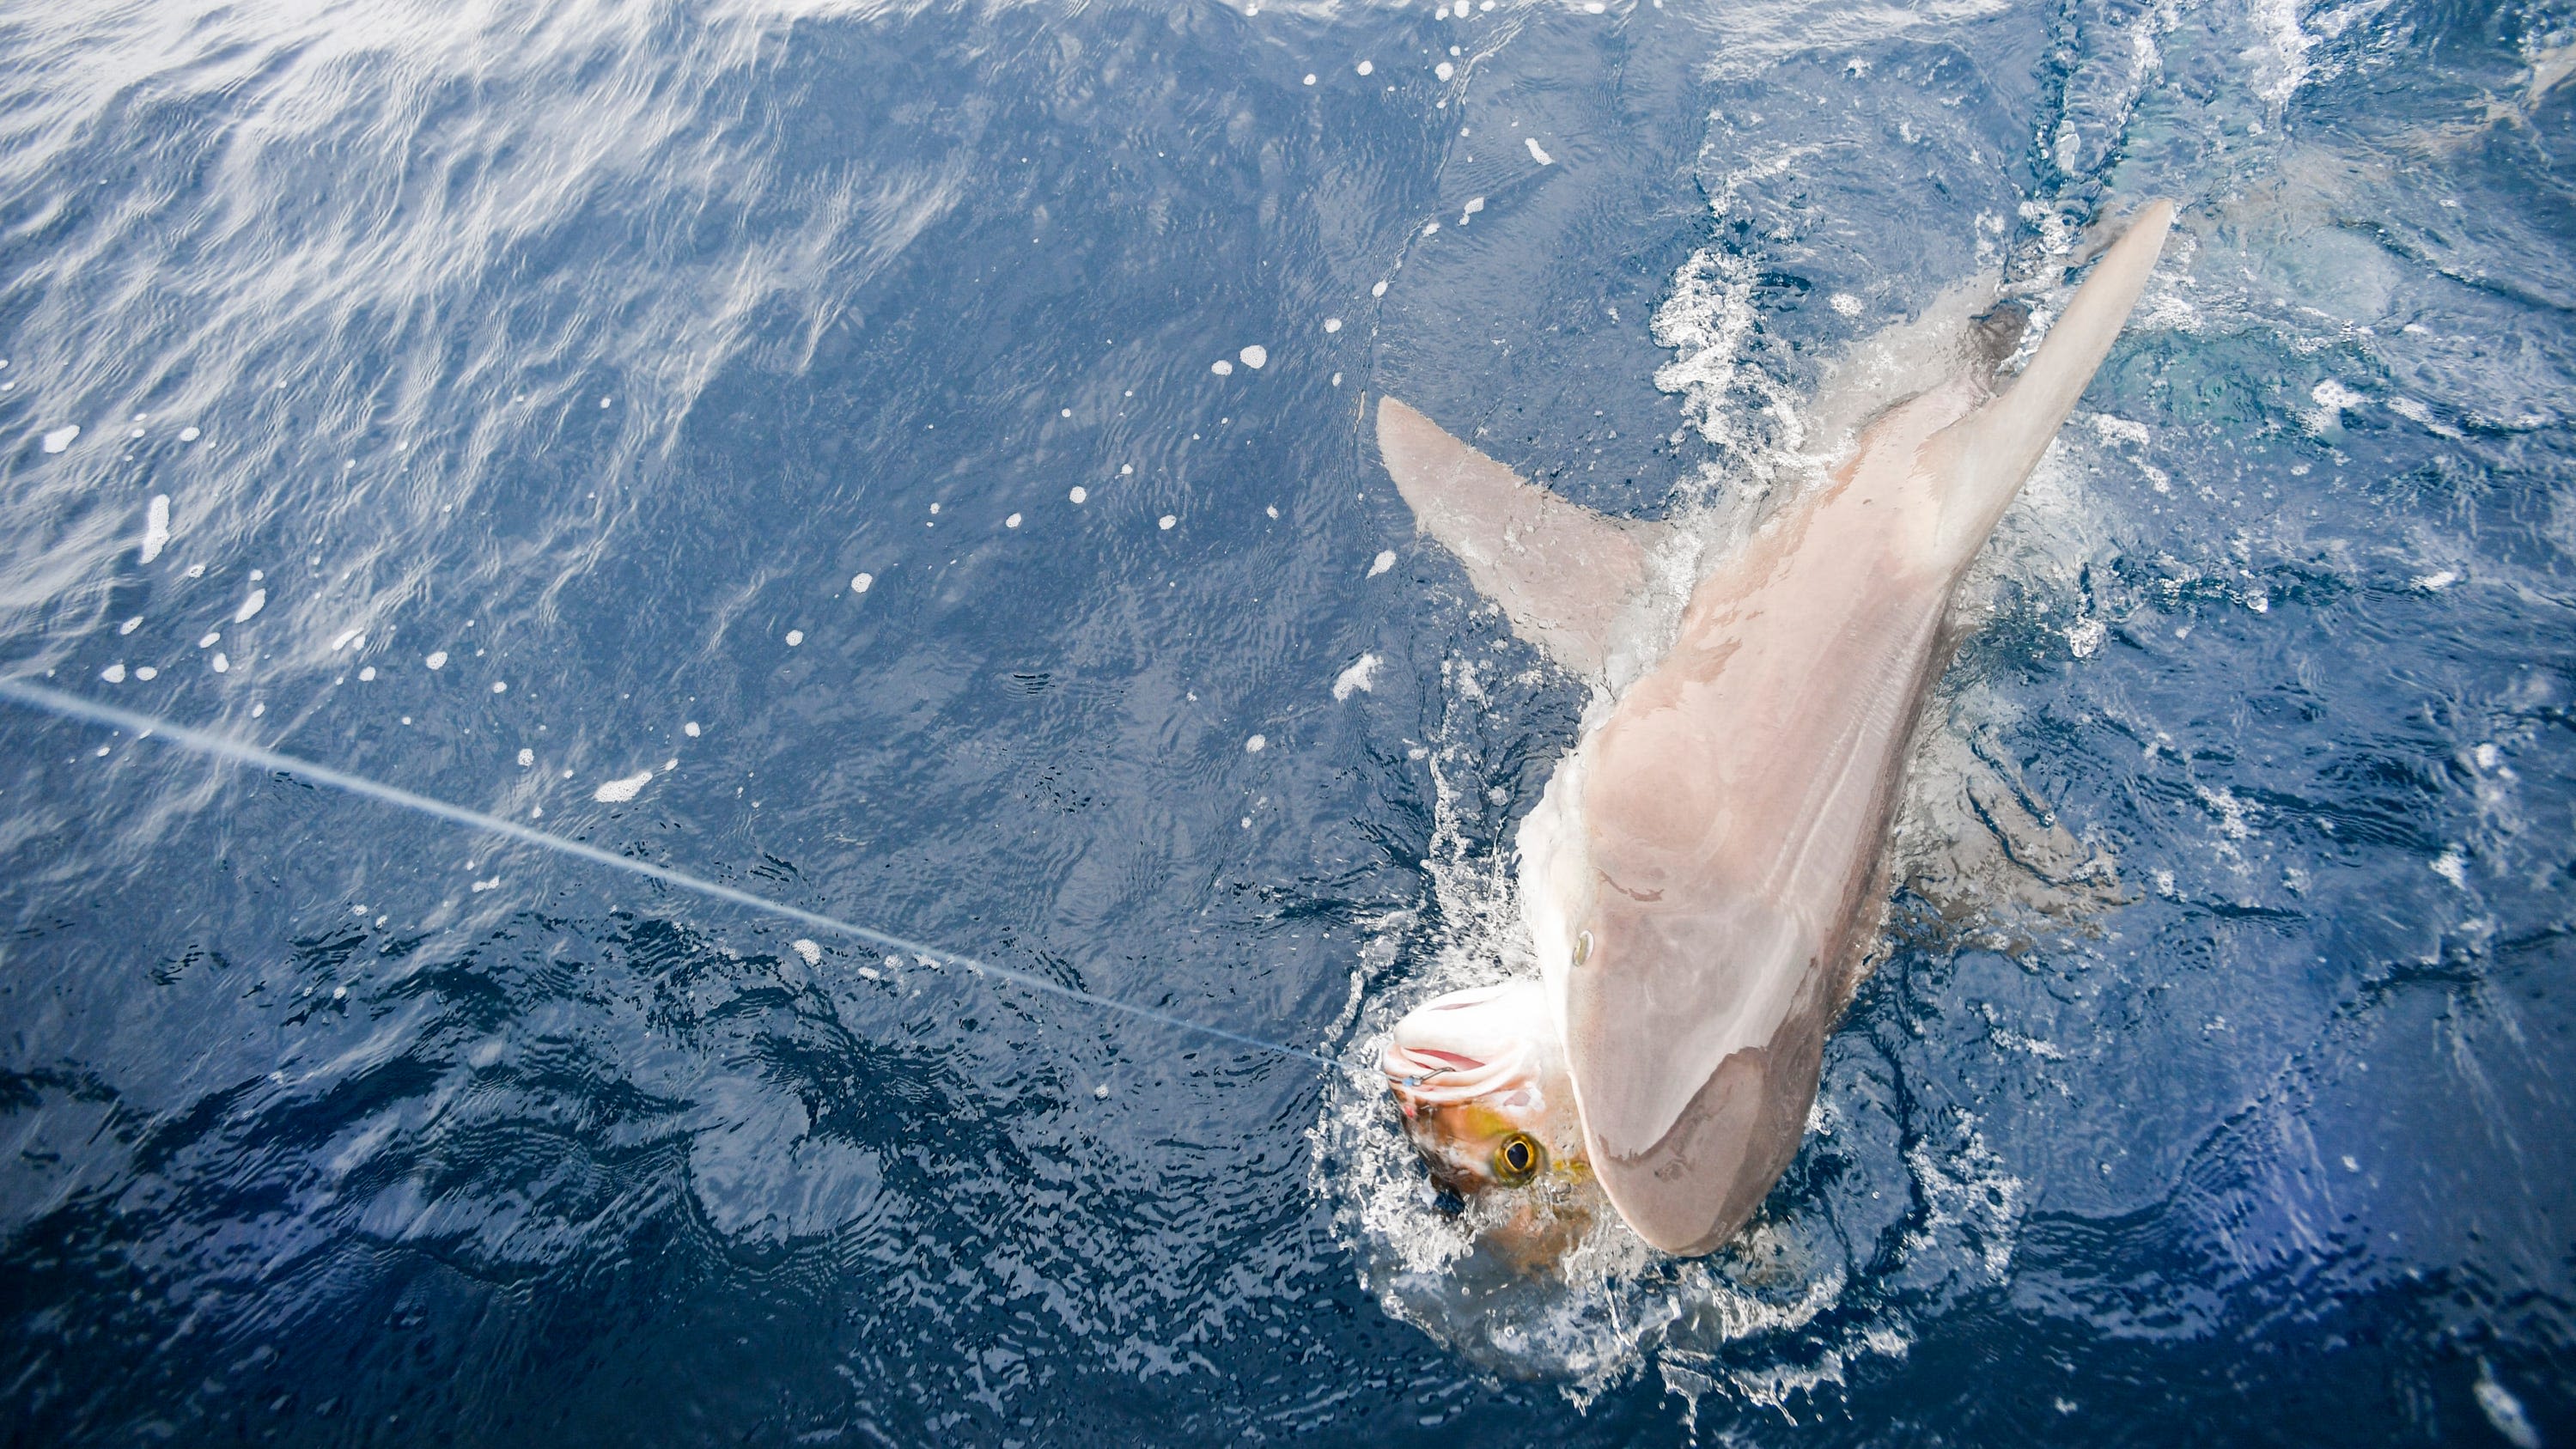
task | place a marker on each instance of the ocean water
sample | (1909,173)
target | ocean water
(910,462)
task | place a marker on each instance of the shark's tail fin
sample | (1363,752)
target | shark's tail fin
(1992,450)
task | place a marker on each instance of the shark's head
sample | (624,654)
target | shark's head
(1481,1081)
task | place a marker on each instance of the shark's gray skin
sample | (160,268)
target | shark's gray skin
(1703,873)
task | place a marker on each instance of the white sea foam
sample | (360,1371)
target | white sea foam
(1707,318)
(1361,676)
(2504,1410)
(2281,64)
(2121,430)
(2084,637)
(2452,867)
(2415,410)
(156,526)
(618,792)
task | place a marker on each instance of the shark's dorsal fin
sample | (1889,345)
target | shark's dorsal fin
(1562,573)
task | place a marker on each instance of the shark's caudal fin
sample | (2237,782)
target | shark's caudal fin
(1562,573)
(1985,456)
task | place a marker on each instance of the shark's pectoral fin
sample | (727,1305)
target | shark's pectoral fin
(1985,457)
(1562,573)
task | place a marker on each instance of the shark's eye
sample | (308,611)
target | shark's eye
(1582,948)
(1518,1159)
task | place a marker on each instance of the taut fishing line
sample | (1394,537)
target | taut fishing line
(72,706)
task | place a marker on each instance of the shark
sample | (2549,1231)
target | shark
(1706,869)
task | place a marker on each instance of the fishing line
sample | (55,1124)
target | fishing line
(223,747)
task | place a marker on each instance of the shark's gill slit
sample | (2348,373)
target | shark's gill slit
(226,748)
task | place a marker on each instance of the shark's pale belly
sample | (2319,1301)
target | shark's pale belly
(1700,864)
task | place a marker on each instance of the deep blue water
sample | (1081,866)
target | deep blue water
(595,350)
